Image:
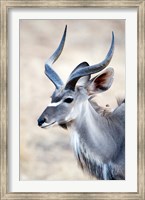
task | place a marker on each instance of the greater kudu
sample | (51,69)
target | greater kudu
(98,137)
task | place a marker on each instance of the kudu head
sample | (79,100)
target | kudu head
(68,98)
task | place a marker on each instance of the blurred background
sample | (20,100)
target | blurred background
(46,154)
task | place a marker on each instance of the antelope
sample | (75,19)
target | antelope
(97,135)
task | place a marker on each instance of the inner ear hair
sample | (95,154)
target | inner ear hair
(101,82)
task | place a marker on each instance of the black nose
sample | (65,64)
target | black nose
(41,121)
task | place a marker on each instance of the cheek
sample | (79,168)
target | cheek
(62,112)
(71,115)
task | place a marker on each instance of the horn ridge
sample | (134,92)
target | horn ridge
(53,76)
(50,73)
(87,70)
(58,51)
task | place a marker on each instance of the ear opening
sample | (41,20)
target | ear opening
(101,82)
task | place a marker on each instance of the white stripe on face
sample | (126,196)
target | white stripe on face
(54,104)
(44,125)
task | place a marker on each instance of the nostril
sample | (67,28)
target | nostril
(41,121)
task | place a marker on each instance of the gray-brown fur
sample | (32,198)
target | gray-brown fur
(97,134)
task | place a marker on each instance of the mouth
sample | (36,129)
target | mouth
(44,125)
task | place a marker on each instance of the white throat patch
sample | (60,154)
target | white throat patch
(75,142)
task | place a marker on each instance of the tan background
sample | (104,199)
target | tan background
(46,154)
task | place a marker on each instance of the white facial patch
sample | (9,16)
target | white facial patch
(44,125)
(54,104)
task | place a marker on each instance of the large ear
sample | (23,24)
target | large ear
(101,82)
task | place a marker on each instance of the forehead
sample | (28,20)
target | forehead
(60,94)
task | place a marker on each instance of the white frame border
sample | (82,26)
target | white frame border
(130,184)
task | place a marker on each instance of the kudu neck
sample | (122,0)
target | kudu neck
(92,129)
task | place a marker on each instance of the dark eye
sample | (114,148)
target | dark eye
(68,100)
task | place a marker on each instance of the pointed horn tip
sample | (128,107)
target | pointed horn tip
(113,36)
(112,33)
(65,28)
(112,45)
